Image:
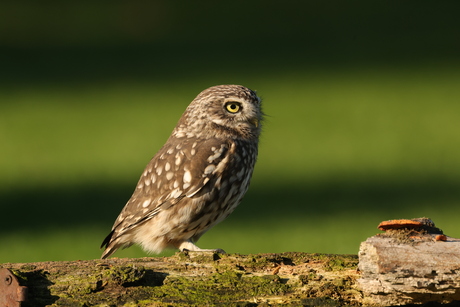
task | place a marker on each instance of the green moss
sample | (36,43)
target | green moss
(219,288)
(28,267)
(225,288)
(312,276)
(338,262)
(21,275)
(320,302)
(329,262)
(125,274)
(87,289)
(254,262)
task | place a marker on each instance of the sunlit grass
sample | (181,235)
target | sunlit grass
(376,144)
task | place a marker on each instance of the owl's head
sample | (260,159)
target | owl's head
(230,111)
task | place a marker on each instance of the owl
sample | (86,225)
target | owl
(197,178)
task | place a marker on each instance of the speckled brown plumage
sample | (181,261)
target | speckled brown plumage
(197,178)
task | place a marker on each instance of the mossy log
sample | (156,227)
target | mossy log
(389,273)
(194,279)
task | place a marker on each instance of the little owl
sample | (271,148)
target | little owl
(197,178)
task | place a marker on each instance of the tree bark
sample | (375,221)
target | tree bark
(410,272)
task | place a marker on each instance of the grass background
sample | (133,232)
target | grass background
(362,104)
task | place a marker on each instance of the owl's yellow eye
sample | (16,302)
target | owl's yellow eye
(233,107)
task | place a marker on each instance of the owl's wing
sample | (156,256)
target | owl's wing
(182,168)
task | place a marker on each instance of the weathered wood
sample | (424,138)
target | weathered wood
(194,279)
(398,270)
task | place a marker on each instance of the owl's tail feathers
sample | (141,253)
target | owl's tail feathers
(110,245)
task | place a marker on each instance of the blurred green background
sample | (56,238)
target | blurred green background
(362,101)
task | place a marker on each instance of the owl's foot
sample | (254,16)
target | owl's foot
(190,247)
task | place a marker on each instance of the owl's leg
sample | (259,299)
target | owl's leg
(190,246)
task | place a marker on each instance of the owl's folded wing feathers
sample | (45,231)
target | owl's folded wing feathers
(180,169)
